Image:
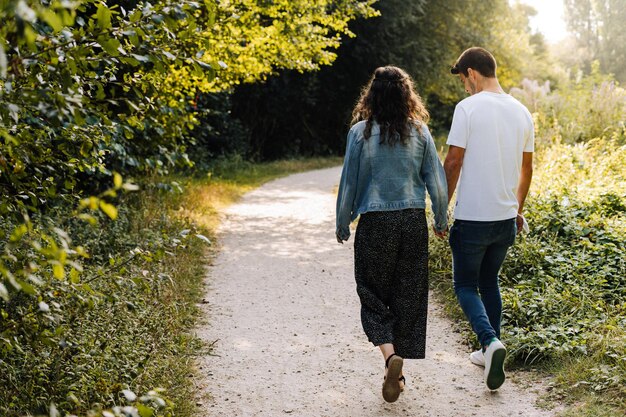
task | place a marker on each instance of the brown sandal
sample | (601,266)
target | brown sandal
(391,385)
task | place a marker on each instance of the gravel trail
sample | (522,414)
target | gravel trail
(283,314)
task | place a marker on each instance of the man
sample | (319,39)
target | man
(491,147)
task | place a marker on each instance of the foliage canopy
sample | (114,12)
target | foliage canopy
(423,37)
(92,94)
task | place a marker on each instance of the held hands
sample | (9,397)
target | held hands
(442,234)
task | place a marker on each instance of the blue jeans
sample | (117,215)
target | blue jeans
(478,251)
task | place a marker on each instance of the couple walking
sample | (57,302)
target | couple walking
(390,163)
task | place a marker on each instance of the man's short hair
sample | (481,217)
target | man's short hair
(478,59)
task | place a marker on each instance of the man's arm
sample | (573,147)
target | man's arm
(526,175)
(452,166)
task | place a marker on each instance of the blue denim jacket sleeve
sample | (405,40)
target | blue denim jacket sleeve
(348,185)
(435,179)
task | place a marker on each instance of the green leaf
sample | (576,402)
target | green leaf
(134,40)
(111,46)
(144,410)
(85,147)
(135,16)
(30,35)
(67,18)
(103,15)
(58,270)
(108,209)
(211,8)
(18,232)
(27,288)
(88,218)
(117,181)
(8,138)
(100,95)
(52,19)
(74,276)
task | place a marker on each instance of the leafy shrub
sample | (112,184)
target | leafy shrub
(564,283)
(567,278)
(88,89)
(76,333)
(586,170)
(578,110)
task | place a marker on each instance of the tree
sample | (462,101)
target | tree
(424,37)
(92,90)
(597,26)
(88,88)
(91,87)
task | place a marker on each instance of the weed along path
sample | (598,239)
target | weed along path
(283,315)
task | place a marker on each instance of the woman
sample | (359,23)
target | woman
(390,162)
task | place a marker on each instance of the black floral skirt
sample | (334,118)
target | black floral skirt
(391,271)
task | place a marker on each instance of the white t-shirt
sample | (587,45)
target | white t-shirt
(494,129)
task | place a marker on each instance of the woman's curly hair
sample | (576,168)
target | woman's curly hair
(390,100)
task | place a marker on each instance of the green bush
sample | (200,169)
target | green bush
(577,110)
(80,334)
(89,89)
(567,278)
(564,283)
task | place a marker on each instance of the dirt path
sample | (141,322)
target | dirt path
(283,308)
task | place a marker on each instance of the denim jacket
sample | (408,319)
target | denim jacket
(380,177)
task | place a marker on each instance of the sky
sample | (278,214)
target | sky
(549,20)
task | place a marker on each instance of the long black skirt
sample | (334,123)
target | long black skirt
(391,271)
